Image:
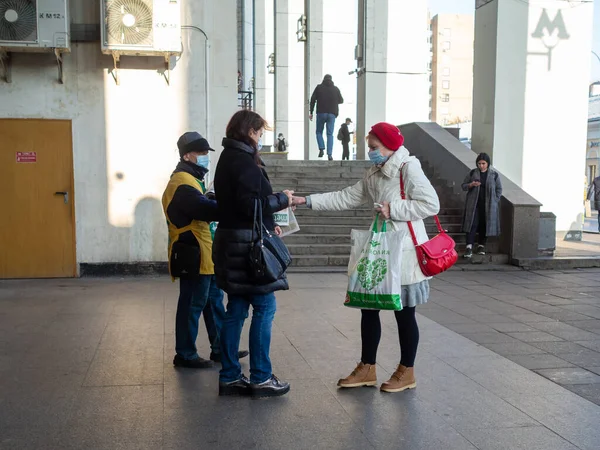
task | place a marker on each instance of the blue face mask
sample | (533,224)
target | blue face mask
(377,158)
(203,161)
(259,145)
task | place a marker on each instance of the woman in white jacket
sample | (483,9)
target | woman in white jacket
(381,185)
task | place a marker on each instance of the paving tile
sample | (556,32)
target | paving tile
(586,310)
(502,377)
(415,423)
(513,348)
(539,361)
(524,438)
(463,328)
(588,325)
(569,416)
(558,347)
(590,392)
(592,345)
(531,318)
(493,318)
(573,375)
(489,338)
(534,336)
(583,358)
(514,327)
(115,417)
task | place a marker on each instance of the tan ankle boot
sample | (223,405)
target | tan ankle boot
(402,379)
(363,375)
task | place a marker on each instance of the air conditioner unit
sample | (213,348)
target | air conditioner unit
(34,25)
(141,27)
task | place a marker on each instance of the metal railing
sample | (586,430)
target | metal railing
(245,99)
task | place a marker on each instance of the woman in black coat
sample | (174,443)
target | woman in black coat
(239,183)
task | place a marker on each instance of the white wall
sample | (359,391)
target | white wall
(528,94)
(124,137)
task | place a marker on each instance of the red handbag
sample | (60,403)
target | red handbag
(439,253)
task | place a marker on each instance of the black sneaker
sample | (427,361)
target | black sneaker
(216,357)
(270,388)
(468,253)
(198,363)
(239,387)
(321,153)
(330,158)
(480,250)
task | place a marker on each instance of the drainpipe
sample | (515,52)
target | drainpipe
(206,78)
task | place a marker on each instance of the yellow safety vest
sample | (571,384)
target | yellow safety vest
(201,230)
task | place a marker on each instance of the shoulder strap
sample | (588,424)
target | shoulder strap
(410,225)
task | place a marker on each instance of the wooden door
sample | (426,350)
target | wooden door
(37,235)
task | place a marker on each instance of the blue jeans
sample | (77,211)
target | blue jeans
(263,312)
(197,295)
(322,120)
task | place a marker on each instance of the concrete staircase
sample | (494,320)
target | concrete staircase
(323,242)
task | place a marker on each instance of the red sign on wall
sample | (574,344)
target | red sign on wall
(26,157)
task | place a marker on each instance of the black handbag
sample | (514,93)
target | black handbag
(269,257)
(184,261)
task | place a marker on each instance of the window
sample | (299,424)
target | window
(445,98)
(446,84)
(446,71)
(447,32)
(446,45)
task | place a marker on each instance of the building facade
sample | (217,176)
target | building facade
(109,148)
(452,68)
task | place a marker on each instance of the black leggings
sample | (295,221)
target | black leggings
(408,333)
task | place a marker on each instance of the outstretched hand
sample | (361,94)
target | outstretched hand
(297,201)
(384,210)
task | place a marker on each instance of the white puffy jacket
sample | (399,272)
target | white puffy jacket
(383,184)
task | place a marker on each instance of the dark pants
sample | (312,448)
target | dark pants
(408,334)
(479,227)
(263,312)
(346,152)
(196,296)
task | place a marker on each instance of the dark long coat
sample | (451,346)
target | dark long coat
(595,190)
(493,189)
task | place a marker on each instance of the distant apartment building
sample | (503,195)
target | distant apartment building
(452,38)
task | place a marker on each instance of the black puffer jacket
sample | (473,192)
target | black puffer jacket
(238,182)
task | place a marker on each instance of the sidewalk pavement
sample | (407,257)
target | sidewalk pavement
(87,364)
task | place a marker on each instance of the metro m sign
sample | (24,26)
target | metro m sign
(551,32)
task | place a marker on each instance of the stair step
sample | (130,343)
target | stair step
(320,260)
(319,249)
(310,239)
(318,269)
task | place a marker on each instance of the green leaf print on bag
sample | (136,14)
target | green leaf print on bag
(371,273)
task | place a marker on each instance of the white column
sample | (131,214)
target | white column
(289,76)
(394,82)
(263,47)
(532,65)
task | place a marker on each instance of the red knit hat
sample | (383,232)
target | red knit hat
(388,134)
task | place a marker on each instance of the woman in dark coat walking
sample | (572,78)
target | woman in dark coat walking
(239,183)
(482,208)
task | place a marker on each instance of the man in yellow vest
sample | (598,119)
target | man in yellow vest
(189,213)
